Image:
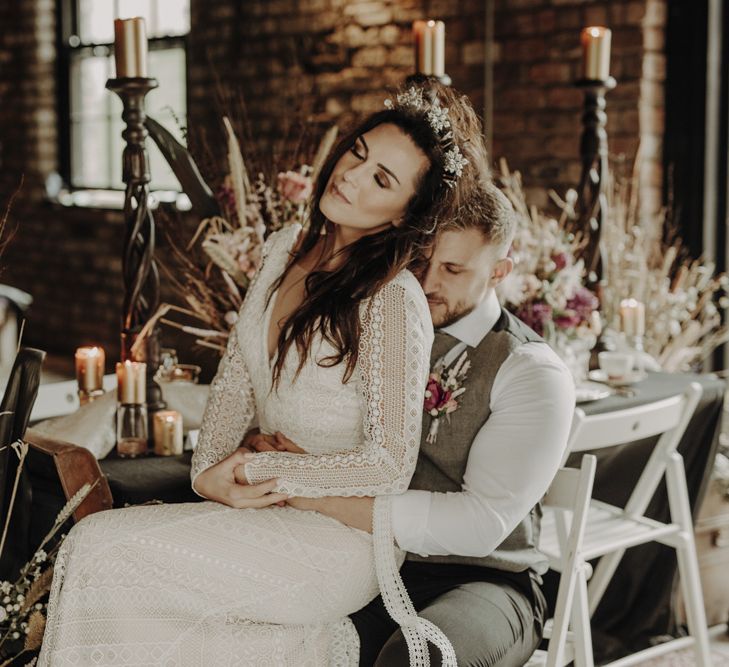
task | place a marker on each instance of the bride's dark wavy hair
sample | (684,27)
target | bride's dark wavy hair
(332,302)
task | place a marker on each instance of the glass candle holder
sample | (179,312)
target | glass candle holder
(132,433)
(132,438)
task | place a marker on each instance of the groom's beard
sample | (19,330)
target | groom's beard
(443,314)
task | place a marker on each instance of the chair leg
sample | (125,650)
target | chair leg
(561,620)
(581,622)
(688,566)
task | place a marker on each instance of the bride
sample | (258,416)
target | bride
(332,348)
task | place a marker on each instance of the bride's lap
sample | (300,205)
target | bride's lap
(275,565)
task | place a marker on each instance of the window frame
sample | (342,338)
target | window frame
(67,22)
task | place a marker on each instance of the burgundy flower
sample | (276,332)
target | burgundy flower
(567,320)
(433,397)
(560,260)
(582,304)
(535,315)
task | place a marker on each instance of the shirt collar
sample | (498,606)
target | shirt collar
(472,328)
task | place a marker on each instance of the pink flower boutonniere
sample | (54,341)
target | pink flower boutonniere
(443,389)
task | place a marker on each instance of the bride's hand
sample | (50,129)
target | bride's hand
(219,483)
(260,442)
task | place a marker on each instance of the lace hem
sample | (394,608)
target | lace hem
(417,631)
(59,574)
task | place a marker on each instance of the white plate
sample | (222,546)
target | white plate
(591,391)
(599,375)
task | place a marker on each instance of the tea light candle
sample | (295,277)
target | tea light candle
(429,38)
(632,317)
(131,379)
(167,433)
(90,368)
(130,48)
(596,52)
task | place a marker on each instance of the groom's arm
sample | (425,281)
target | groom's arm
(354,512)
(511,462)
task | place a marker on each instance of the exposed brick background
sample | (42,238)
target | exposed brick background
(324,61)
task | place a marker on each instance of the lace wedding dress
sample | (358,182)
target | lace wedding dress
(205,584)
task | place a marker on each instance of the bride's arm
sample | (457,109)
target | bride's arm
(392,367)
(228,413)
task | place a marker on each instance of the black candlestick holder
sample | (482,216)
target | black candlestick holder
(592,191)
(140,273)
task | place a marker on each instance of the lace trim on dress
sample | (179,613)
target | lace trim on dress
(229,411)
(59,574)
(417,631)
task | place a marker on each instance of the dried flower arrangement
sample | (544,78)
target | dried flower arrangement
(211,273)
(683,296)
(547,288)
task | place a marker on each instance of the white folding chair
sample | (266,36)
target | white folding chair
(565,507)
(611,530)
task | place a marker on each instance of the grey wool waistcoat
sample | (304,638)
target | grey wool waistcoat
(441,464)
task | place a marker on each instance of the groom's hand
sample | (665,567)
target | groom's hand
(219,483)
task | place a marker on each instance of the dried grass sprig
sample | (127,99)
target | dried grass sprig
(21,450)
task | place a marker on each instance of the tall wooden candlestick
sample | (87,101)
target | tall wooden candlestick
(592,190)
(140,273)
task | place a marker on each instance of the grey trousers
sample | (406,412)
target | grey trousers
(493,619)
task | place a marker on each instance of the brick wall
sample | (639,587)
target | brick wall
(318,61)
(537,109)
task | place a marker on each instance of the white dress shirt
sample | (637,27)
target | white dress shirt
(512,460)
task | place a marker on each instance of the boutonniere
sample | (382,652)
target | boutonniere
(442,392)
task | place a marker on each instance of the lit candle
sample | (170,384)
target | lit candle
(429,38)
(632,317)
(167,433)
(596,53)
(90,369)
(131,379)
(130,48)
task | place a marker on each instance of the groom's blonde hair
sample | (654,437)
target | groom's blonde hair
(487,209)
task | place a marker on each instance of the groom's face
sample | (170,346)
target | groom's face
(461,271)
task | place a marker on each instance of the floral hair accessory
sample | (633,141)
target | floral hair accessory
(439,121)
(443,390)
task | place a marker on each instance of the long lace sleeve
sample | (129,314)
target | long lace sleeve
(392,369)
(229,410)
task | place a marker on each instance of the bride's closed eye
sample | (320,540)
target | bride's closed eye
(360,152)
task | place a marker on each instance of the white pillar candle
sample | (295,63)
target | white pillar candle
(90,368)
(429,38)
(130,48)
(632,317)
(596,52)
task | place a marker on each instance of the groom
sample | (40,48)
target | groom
(470,521)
